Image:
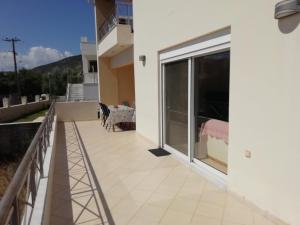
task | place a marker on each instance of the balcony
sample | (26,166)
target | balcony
(76,172)
(115,34)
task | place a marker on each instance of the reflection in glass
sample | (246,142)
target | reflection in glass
(211,109)
(176,105)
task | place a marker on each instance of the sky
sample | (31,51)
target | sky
(49,29)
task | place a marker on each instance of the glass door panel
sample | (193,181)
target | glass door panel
(176,105)
(211,80)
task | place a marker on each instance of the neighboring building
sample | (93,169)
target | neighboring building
(203,70)
(88,90)
(115,52)
(89,61)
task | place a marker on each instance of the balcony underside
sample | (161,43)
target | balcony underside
(113,179)
(117,40)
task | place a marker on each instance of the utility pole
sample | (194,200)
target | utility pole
(13,41)
(49,83)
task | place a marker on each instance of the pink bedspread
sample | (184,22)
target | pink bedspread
(217,129)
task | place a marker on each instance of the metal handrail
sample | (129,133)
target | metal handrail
(114,18)
(27,177)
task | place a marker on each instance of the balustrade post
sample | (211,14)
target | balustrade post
(16,217)
(41,163)
(48,130)
(32,182)
(44,141)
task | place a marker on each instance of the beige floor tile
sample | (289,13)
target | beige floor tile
(259,219)
(230,223)
(176,218)
(242,215)
(160,200)
(140,195)
(185,205)
(149,213)
(190,193)
(209,210)
(215,197)
(125,210)
(134,187)
(167,190)
(203,220)
(141,221)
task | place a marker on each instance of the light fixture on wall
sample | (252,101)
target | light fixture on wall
(286,8)
(142,58)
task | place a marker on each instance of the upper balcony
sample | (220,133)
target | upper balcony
(115,34)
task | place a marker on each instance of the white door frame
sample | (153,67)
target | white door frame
(211,46)
(163,119)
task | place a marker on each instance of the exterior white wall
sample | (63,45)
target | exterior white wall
(90,92)
(88,48)
(264,89)
(90,78)
(88,52)
(264,109)
(170,26)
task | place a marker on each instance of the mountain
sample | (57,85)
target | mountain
(73,63)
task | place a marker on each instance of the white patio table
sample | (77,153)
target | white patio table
(120,114)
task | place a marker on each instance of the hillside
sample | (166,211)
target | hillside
(39,80)
(72,63)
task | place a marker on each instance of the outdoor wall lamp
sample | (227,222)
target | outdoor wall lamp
(286,8)
(142,58)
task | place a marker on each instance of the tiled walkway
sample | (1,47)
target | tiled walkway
(114,180)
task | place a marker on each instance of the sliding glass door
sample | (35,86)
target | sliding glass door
(195,95)
(211,97)
(176,105)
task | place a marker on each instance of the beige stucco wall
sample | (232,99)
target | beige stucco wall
(116,85)
(264,89)
(108,83)
(126,84)
(76,111)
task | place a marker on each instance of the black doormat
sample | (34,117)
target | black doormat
(159,152)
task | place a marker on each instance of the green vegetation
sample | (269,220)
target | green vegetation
(32,117)
(51,78)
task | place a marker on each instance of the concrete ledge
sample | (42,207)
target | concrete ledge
(14,112)
(76,111)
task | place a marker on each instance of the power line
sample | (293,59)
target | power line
(13,41)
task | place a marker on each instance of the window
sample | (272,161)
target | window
(93,66)
(212,85)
